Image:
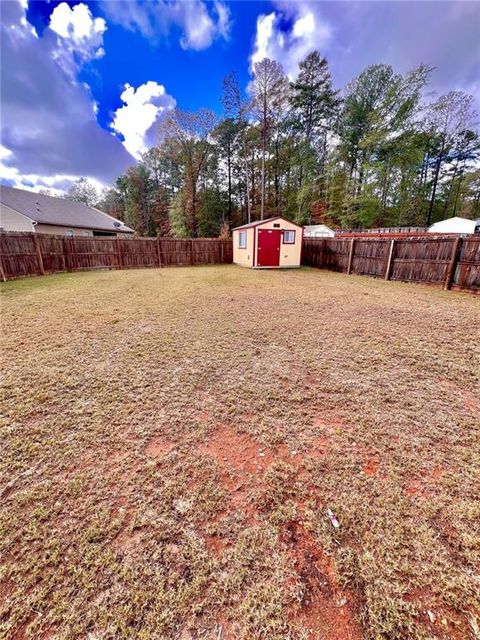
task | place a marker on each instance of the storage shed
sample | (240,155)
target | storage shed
(318,231)
(455,225)
(268,244)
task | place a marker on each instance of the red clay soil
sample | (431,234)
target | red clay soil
(441,621)
(371,467)
(325,610)
(424,486)
(242,462)
(241,453)
(330,421)
(157,447)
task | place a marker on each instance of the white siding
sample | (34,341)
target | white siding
(62,231)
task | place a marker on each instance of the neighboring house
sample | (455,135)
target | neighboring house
(455,225)
(22,210)
(318,231)
(270,243)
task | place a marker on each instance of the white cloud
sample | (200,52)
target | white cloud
(223,23)
(200,24)
(58,184)
(199,28)
(77,24)
(79,34)
(49,132)
(289,33)
(143,107)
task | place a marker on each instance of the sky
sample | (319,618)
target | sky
(85,84)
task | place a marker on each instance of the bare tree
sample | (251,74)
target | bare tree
(187,135)
(82,191)
(270,91)
(238,109)
(447,119)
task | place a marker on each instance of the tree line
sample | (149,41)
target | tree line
(376,154)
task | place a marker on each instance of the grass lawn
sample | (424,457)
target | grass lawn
(171,441)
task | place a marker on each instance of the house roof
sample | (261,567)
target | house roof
(257,223)
(44,209)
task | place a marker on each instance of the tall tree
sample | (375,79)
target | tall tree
(225,137)
(270,90)
(237,109)
(313,98)
(379,111)
(188,137)
(447,119)
(314,103)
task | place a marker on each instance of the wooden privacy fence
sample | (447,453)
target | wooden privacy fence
(27,254)
(451,262)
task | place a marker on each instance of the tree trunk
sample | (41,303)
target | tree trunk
(457,195)
(264,145)
(435,183)
(434,191)
(190,204)
(262,193)
(247,188)
(276,177)
(229,164)
(450,190)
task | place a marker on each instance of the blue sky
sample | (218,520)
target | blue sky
(84,84)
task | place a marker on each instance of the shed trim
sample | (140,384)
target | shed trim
(258,223)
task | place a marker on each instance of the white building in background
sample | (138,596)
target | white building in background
(318,231)
(455,225)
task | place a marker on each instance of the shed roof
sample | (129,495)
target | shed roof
(257,223)
(454,225)
(311,228)
(45,209)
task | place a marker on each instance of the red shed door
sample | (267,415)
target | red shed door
(268,247)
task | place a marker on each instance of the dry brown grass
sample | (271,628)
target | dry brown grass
(171,440)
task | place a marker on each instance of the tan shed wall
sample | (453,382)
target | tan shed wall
(289,253)
(11,220)
(243,257)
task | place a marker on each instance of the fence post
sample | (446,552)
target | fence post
(39,254)
(2,269)
(119,254)
(350,256)
(159,252)
(390,260)
(452,264)
(191,253)
(66,254)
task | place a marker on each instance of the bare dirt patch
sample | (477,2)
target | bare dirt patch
(325,610)
(158,447)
